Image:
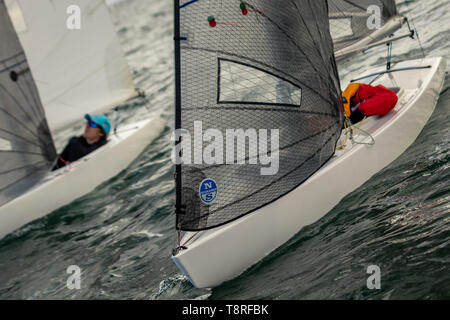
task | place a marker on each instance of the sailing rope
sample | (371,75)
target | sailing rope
(64,161)
(358,127)
(348,128)
(346,135)
(415,30)
(182,246)
(190,238)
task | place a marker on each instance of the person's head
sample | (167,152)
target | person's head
(97,128)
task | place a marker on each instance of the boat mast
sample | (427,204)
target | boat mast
(177,104)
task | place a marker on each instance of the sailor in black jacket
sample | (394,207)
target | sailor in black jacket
(94,136)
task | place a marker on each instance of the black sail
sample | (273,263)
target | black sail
(26,145)
(349,19)
(252,65)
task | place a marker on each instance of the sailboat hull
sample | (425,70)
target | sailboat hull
(214,256)
(63,186)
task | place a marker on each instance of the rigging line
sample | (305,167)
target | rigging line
(20,106)
(279,149)
(268,185)
(263,64)
(415,29)
(23,178)
(13,66)
(187,241)
(93,9)
(389,71)
(12,57)
(24,167)
(292,40)
(368,135)
(187,3)
(20,137)
(346,136)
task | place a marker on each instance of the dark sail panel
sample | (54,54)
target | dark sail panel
(349,19)
(26,145)
(265,72)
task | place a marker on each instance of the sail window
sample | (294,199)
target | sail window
(242,83)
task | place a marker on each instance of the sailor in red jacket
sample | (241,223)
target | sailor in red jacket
(366,100)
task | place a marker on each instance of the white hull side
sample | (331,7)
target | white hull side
(63,186)
(220,254)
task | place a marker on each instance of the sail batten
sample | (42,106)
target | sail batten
(262,69)
(77,71)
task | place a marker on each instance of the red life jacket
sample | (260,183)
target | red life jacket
(374,100)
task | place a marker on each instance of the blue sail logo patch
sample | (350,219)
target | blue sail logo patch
(208,191)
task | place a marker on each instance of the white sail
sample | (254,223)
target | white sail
(77,71)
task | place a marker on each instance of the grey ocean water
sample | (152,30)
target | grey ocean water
(121,234)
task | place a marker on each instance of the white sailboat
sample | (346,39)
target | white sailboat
(252,215)
(76,72)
